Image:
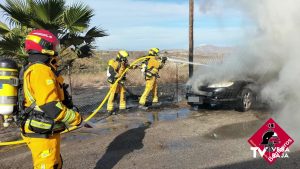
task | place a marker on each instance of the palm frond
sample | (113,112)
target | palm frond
(11,45)
(47,14)
(4,30)
(85,50)
(71,39)
(17,12)
(48,11)
(93,33)
(77,17)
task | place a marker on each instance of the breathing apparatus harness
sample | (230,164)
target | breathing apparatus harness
(150,72)
(38,121)
(113,72)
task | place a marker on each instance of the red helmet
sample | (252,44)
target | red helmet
(41,41)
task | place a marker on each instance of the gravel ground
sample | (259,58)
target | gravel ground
(170,137)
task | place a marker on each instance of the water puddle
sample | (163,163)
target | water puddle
(132,118)
(237,130)
(168,114)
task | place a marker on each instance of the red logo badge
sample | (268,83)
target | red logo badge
(271,142)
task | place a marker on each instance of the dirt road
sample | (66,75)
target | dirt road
(173,137)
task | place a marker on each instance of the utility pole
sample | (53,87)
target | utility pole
(191,36)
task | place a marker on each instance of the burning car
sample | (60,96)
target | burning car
(240,94)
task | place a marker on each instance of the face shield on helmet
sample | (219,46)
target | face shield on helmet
(153,52)
(122,56)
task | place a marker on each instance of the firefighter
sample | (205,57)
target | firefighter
(114,71)
(150,68)
(44,115)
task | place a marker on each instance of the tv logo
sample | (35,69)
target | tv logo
(262,152)
(271,142)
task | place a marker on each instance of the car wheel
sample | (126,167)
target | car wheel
(245,100)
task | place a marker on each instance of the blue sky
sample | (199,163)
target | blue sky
(143,24)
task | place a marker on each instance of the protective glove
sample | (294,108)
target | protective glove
(148,74)
(111,79)
(81,122)
(164,59)
(68,102)
(77,120)
(122,82)
(143,67)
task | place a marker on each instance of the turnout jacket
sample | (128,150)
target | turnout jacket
(115,69)
(44,88)
(151,67)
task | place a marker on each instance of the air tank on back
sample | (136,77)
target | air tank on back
(8,88)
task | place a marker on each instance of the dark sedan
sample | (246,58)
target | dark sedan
(239,94)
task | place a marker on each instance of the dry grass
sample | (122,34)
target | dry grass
(87,80)
(171,73)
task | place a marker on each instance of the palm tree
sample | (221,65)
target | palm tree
(69,23)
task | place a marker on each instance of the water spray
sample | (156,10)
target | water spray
(187,62)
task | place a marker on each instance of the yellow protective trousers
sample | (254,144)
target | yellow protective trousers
(45,151)
(151,85)
(116,89)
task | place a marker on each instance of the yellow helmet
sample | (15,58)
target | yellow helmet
(153,51)
(122,54)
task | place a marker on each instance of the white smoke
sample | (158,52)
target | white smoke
(270,55)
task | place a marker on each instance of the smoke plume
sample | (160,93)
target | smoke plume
(270,55)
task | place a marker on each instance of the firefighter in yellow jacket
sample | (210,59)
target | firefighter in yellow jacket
(150,68)
(44,114)
(114,71)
